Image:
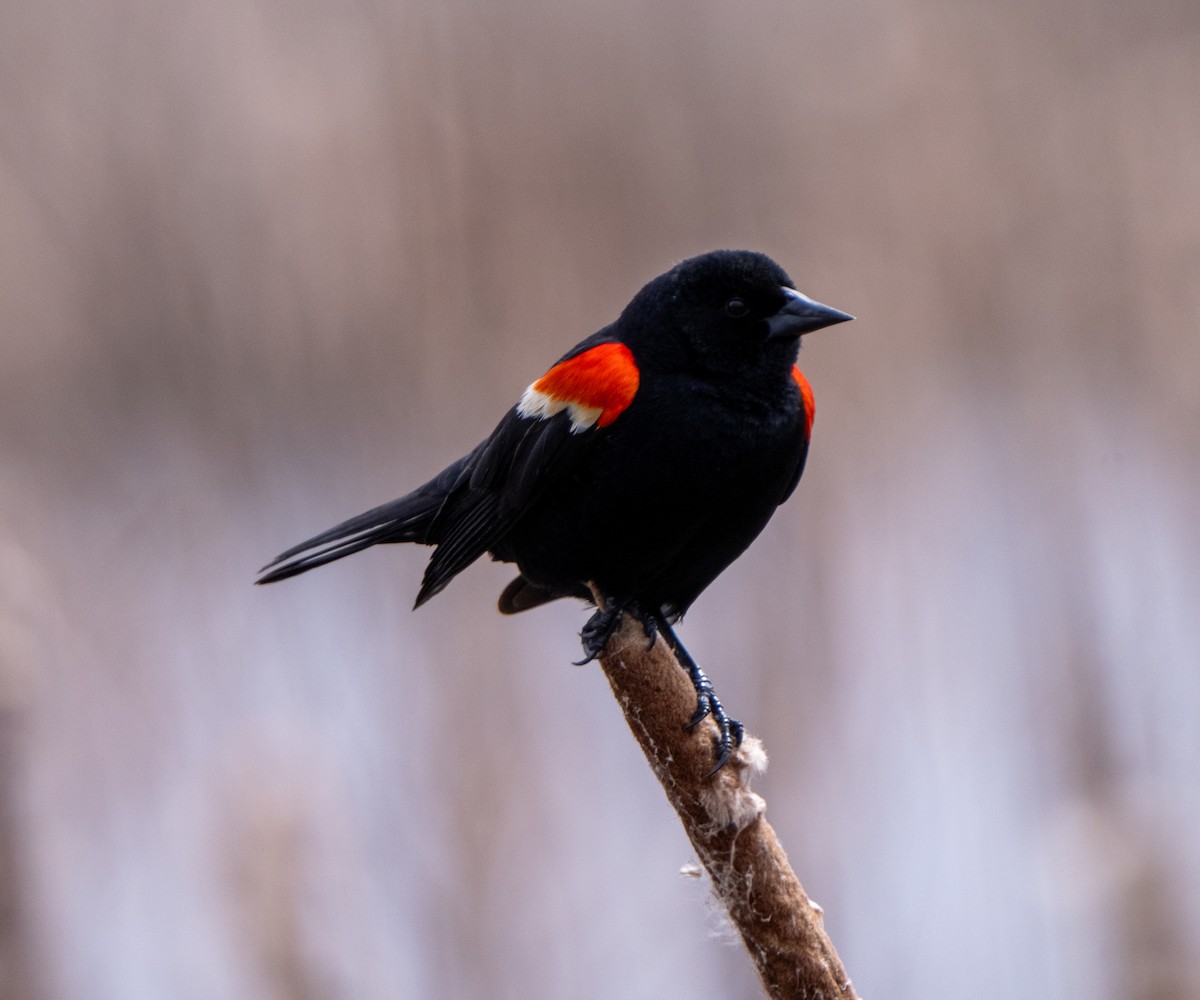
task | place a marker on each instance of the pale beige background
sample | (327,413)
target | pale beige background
(266,264)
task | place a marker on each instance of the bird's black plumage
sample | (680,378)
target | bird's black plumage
(642,463)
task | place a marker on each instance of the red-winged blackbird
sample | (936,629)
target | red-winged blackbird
(643,462)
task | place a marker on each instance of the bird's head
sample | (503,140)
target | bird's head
(731,309)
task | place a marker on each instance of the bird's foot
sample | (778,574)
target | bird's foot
(729,731)
(599,630)
(650,627)
(601,626)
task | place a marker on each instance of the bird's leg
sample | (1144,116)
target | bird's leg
(707,703)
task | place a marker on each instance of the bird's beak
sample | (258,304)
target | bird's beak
(800,315)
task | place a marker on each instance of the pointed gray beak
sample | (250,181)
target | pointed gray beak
(801,315)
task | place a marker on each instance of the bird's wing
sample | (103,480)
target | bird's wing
(540,440)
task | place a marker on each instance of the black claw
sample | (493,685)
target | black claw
(703,709)
(723,752)
(598,630)
(730,736)
(650,627)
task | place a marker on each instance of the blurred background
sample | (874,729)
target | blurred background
(267,264)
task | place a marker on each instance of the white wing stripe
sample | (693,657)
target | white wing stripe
(542,407)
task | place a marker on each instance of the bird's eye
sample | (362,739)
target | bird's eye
(736,307)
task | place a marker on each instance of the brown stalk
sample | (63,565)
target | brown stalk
(780,926)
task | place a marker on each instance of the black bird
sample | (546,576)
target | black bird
(643,462)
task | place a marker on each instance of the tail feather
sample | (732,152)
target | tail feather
(405,520)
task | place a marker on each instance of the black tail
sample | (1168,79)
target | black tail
(409,519)
(405,520)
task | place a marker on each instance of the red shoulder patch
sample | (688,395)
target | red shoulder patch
(596,386)
(806,395)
